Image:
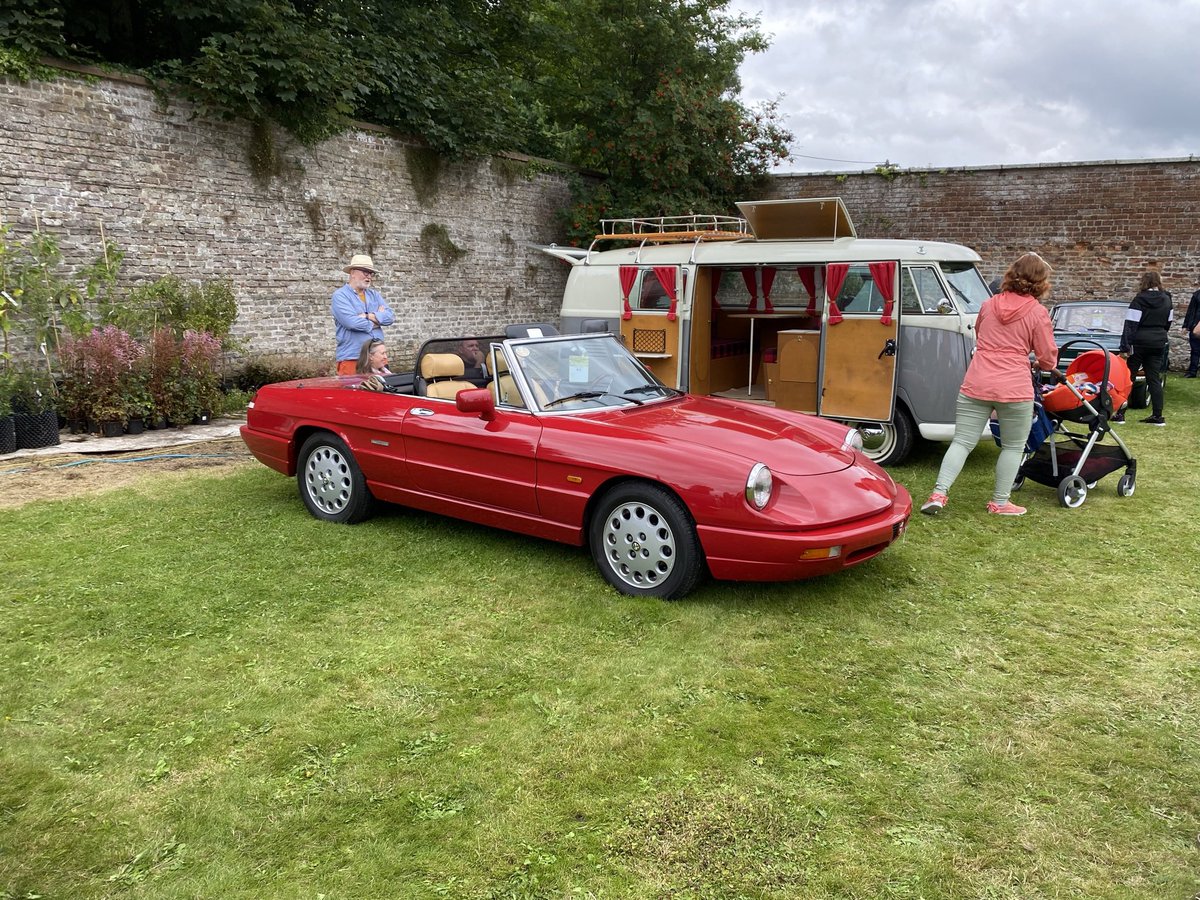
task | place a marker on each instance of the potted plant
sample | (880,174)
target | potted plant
(199,359)
(74,388)
(137,400)
(163,379)
(35,417)
(108,359)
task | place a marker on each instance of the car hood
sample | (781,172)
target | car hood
(789,443)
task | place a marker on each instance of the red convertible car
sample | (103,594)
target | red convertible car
(570,438)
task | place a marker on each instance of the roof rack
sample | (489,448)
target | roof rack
(674,229)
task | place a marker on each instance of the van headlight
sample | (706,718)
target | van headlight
(759,486)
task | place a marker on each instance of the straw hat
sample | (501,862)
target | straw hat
(361,261)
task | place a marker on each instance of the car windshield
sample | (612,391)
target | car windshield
(966,284)
(585,372)
(1089,318)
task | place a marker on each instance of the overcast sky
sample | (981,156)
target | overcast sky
(943,83)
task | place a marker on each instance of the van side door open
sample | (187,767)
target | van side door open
(861,338)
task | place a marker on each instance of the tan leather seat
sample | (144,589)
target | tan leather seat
(442,373)
(504,388)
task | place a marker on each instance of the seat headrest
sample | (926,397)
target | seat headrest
(442,365)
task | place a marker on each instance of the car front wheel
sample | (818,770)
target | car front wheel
(644,542)
(331,484)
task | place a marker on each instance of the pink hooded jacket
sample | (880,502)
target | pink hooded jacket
(1010,327)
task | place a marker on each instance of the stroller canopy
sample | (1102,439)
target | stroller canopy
(1091,366)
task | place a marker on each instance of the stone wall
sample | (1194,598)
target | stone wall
(180,195)
(1099,224)
(455,240)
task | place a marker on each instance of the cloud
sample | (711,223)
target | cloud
(944,83)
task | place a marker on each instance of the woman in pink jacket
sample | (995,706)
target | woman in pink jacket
(1011,325)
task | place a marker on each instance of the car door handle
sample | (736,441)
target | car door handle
(422,411)
(889,349)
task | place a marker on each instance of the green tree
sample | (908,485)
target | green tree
(647,95)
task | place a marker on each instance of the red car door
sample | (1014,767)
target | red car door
(460,460)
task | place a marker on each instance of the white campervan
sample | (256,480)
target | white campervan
(788,306)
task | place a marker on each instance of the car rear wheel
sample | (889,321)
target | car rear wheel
(331,484)
(644,542)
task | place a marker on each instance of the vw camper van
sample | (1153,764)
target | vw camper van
(787,305)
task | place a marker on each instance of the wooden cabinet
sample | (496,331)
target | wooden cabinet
(798,355)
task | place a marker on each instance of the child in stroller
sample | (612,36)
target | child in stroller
(1095,386)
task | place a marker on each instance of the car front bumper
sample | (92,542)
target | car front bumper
(735,555)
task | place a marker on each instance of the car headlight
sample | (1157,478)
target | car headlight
(853,441)
(759,486)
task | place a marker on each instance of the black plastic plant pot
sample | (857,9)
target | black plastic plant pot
(35,430)
(8,435)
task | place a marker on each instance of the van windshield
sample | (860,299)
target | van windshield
(966,284)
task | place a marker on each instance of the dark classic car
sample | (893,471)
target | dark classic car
(571,439)
(1100,321)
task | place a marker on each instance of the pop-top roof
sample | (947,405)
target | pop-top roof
(822,219)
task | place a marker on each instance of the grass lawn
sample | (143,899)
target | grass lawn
(204,692)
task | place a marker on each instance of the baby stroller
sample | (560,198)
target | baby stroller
(1094,387)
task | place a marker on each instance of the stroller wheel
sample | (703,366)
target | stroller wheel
(1126,485)
(1072,491)
(1018,482)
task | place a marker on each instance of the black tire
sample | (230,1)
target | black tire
(1072,491)
(890,444)
(644,542)
(1018,482)
(330,482)
(1126,485)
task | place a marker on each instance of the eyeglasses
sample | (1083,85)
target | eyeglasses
(366,272)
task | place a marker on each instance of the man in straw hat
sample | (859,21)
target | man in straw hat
(359,313)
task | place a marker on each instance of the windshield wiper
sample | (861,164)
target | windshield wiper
(589,395)
(647,388)
(954,287)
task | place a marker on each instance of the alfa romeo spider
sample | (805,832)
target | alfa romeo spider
(570,438)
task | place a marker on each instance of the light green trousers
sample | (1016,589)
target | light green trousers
(971,417)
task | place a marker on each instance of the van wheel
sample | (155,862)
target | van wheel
(889,443)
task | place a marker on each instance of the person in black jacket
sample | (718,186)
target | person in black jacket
(1144,339)
(1190,319)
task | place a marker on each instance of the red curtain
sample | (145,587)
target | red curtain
(714,286)
(835,275)
(768,279)
(884,274)
(808,278)
(752,287)
(666,277)
(628,275)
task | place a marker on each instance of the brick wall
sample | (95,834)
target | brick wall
(179,194)
(1099,224)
